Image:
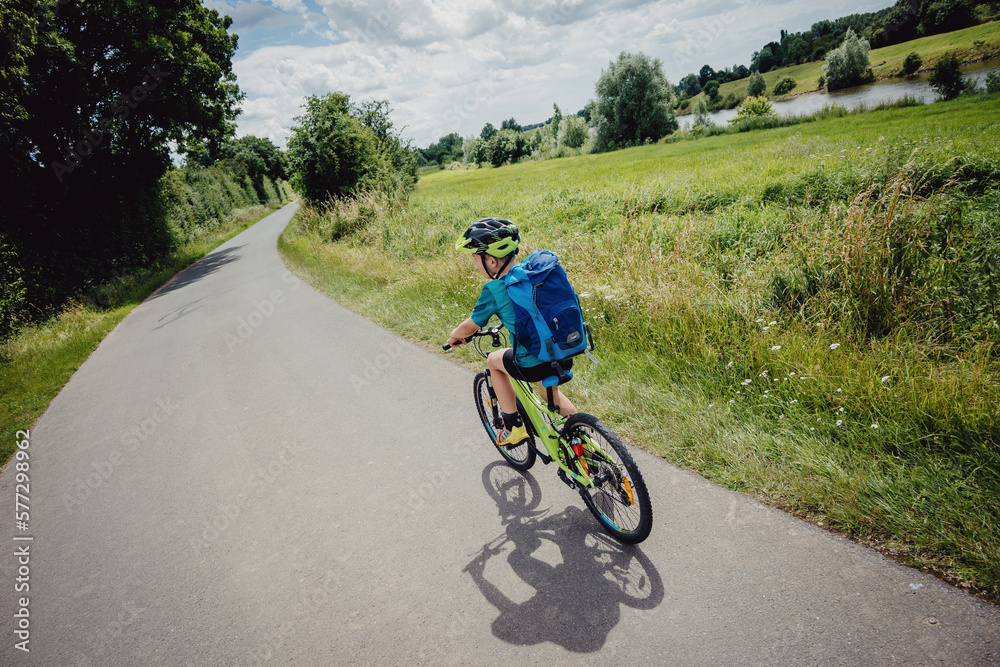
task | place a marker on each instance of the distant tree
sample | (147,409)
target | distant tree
(690,85)
(487,132)
(763,60)
(912,63)
(784,86)
(756,86)
(634,102)
(740,72)
(849,64)
(701,117)
(556,119)
(712,90)
(946,78)
(506,146)
(588,111)
(572,132)
(511,124)
(254,158)
(705,74)
(473,150)
(798,51)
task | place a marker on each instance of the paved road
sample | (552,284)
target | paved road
(245,472)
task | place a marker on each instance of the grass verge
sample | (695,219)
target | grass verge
(36,362)
(804,314)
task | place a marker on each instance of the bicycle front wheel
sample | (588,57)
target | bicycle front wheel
(521,456)
(619,498)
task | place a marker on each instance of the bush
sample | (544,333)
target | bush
(946,79)
(993,82)
(911,64)
(784,86)
(756,86)
(506,146)
(849,64)
(573,132)
(752,107)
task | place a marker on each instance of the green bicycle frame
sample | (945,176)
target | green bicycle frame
(547,425)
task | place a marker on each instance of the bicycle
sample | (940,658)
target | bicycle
(592,460)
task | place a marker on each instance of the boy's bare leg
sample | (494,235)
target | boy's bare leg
(564,405)
(501,382)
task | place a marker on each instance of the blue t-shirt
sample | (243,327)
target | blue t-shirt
(494,301)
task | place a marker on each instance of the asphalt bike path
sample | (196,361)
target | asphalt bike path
(245,472)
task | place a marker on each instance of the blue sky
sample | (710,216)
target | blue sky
(454,65)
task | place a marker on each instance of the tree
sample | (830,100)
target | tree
(690,85)
(712,90)
(763,60)
(993,82)
(849,64)
(701,117)
(756,86)
(912,63)
(506,146)
(634,102)
(92,97)
(705,74)
(487,132)
(556,120)
(573,132)
(511,124)
(473,150)
(335,152)
(946,78)
(753,107)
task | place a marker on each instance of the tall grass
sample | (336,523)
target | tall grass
(807,314)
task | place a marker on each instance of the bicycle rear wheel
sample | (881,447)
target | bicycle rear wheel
(521,456)
(619,498)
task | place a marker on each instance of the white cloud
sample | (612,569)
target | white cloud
(453,65)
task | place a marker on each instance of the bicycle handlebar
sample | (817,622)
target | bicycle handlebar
(492,331)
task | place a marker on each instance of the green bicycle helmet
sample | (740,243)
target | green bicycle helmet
(490,236)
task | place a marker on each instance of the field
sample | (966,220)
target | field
(887,61)
(804,314)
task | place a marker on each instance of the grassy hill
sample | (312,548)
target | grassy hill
(806,314)
(978,43)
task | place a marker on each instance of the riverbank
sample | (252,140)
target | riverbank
(977,44)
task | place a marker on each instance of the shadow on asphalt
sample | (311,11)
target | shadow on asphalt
(577,602)
(204,267)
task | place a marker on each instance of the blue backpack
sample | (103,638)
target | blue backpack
(548,318)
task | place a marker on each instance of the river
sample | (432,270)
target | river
(872,94)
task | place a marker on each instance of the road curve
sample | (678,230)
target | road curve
(245,472)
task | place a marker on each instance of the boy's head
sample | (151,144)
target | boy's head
(493,242)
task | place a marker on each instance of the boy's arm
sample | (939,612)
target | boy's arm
(462,331)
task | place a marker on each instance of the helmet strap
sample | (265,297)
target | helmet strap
(506,261)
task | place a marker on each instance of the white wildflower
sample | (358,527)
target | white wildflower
(835,346)
(774,348)
(839,422)
(875,425)
(772,323)
(886,378)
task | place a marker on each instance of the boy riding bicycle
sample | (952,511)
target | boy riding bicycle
(493,243)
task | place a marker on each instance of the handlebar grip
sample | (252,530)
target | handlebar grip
(447,347)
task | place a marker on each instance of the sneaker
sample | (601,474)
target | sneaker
(512,437)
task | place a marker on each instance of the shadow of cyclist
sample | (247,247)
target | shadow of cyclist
(577,602)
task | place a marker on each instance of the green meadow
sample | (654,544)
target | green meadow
(807,314)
